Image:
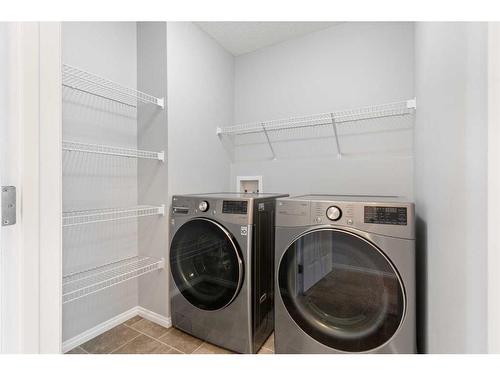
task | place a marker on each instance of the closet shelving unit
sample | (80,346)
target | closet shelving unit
(112,150)
(81,284)
(72,218)
(84,283)
(81,80)
(330,119)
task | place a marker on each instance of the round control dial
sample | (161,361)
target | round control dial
(333,213)
(203,206)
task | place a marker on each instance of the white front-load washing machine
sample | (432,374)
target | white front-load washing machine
(222,266)
(345,275)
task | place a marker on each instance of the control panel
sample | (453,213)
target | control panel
(235,207)
(386,215)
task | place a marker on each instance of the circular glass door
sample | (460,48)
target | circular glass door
(206,264)
(341,290)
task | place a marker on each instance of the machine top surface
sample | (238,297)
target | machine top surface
(349,198)
(235,195)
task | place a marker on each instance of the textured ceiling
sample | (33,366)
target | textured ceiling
(243,37)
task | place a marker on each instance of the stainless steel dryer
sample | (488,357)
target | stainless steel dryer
(345,275)
(222,265)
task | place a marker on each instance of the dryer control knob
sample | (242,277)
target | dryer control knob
(203,206)
(333,213)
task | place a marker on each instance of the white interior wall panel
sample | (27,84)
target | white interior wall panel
(451,185)
(345,66)
(90,181)
(152,174)
(200,98)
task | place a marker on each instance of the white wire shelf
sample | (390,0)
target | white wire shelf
(90,83)
(112,150)
(331,119)
(81,284)
(72,218)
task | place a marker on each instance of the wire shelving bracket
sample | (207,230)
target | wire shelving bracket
(94,84)
(84,283)
(112,150)
(335,118)
(71,218)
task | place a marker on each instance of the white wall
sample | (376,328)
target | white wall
(200,97)
(342,67)
(94,181)
(450,185)
(493,187)
(152,130)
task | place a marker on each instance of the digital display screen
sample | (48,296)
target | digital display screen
(234,207)
(386,215)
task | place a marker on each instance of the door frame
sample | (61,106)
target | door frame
(32,274)
(493,296)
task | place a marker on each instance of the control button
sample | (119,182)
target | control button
(349,221)
(333,213)
(318,219)
(203,206)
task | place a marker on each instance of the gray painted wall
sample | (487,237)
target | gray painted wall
(342,67)
(99,181)
(200,97)
(451,185)
(152,178)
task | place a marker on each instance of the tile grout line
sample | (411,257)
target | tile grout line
(76,347)
(86,352)
(194,351)
(202,341)
(199,346)
(129,341)
(156,339)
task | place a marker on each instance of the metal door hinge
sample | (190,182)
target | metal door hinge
(8,205)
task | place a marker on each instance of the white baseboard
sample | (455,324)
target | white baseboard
(154,317)
(113,322)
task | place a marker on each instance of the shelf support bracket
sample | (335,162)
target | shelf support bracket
(161,265)
(161,156)
(268,140)
(411,104)
(335,130)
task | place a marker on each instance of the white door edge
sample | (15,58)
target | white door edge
(31,249)
(493,327)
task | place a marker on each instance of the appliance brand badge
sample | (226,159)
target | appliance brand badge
(244,230)
(262,206)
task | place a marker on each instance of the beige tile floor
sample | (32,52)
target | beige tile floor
(141,336)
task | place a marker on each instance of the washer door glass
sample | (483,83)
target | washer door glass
(341,290)
(206,264)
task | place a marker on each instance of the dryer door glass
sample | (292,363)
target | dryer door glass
(341,290)
(206,264)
